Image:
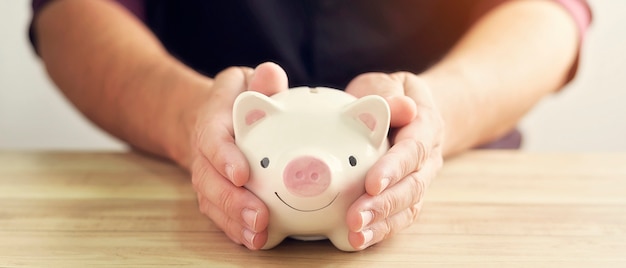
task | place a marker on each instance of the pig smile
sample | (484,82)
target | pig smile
(306,210)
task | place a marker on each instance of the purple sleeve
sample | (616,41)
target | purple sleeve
(580,12)
(582,15)
(134,6)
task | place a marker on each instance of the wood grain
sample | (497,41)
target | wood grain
(485,209)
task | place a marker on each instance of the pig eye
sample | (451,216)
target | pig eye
(265,162)
(352,160)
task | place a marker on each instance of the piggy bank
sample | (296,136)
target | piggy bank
(309,150)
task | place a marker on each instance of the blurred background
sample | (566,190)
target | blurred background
(589,115)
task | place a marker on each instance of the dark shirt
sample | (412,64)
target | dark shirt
(318,43)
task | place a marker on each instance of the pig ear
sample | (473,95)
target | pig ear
(249,109)
(373,114)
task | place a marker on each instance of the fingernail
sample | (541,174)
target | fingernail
(249,217)
(383,184)
(368,235)
(249,236)
(366,218)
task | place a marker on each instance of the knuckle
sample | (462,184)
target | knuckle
(203,140)
(196,180)
(405,164)
(410,157)
(231,69)
(219,151)
(232,228)
(387,229)
(387,206)
(370,76)
(200,131)
(245,69)
(414,212)
(203,206)
(240,71)
(214,153)
(418,187)
(418,148)
(403,75)
(225,199)
(199,175)
(400,221)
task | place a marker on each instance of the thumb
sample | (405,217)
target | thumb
(403,108)
(268,78)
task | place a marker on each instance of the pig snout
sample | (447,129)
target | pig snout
(306,176)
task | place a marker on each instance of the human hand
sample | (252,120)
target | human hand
(219,169)
(396,183)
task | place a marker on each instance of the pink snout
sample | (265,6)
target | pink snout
(306,176)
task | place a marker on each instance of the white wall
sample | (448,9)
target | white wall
(33,115)
(590,115)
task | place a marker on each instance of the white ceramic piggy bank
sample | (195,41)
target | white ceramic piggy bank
(309,150)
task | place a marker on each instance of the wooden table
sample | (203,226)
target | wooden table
(486,209)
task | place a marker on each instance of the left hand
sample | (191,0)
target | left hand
(396,183)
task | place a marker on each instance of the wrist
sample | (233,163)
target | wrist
(454,95)
(180,114)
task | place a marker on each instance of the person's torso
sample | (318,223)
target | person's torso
(318,43)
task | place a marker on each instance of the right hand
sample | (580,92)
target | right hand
(219,169)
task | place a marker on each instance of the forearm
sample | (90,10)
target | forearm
(117,74)
(516,54)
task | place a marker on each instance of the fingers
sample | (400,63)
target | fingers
(395,184)
(368,209)
(416,88)
(235,210)
(214,134)
(383,229)
(389,87)
(225,156)
(402,159)
(412,144)
(237,232)
(268,78)
(406,171)
(373,218)
(229,83)
(220,168)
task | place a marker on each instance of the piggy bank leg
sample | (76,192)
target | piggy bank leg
(339,238)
